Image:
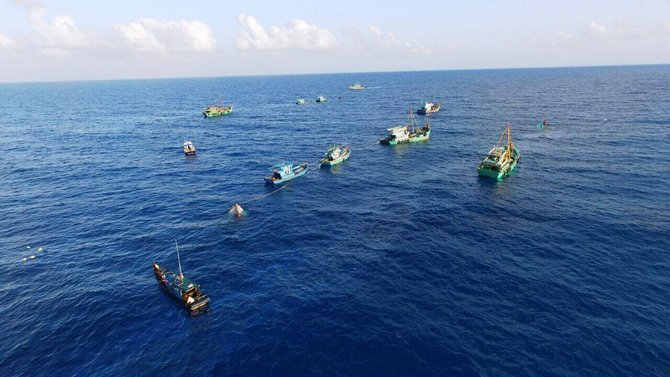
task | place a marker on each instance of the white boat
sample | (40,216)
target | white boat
(428,108)
(356,86)
(300,101)
(321,99)
(189,148)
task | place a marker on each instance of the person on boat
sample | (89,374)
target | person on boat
(544,123)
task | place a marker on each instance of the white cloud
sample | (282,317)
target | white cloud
(374,39)
(598,29)
(6,42)
(151,35)
(59,33)
(297,34)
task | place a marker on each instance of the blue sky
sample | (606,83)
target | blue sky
(89,40)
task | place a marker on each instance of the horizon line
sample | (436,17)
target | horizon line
(331,73)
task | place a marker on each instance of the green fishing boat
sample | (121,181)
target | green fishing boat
(407,133)
(335,155)
(217,110)
(501,159)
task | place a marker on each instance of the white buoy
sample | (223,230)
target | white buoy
(236,210)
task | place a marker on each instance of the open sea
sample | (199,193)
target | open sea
(401,261)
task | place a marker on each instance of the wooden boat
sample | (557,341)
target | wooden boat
(501,159)
(181,287)
(335,155)
(407,133)
(320,99)
(356,86)
(284,172)
(428,108)
(189,148)
(217,110)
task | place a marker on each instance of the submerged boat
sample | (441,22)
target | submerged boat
(335,155)
(321,99)
(217,110)
(284,172)
(501,159)
(181,287)
(189,148)
(408,133)
(428,108)
(356,86)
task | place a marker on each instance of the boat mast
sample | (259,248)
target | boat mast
(181,274)
(510,146)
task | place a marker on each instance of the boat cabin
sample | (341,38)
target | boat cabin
(400,133)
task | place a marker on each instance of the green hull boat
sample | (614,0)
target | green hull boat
(501,159)
(407,133)
(217,111)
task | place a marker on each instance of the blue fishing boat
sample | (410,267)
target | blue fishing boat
(335,155)
(181,287)
(284,172)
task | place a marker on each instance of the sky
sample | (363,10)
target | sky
(63,40)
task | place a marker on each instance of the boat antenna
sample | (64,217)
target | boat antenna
(181,274)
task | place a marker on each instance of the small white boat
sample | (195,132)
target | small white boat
(356,86)
(321,99)
(300,101)
(189,148)
(428,108)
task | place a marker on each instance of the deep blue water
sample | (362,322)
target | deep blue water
(399,262)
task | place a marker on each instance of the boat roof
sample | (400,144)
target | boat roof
(281,165)
(187,284)
(398,128)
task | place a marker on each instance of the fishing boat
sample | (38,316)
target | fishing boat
(217,110)
(320,99)
(189,148)
(284,172)
(356,86)
(502,159)
(407,133)
(181,287)
(335,155)
(428,108)
(300,101)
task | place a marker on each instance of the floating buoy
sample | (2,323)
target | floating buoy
(236,210)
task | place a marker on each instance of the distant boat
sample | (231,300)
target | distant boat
(429,108)
(408,133)
(300,101)
(181,287)
(284,172)
(335,155)
(189,148)
(502,159)
(321,99)
(356,86)
(217,110)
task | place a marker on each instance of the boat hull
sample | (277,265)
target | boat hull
(298,172)
(499,175)
(339,160)
(412,139)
